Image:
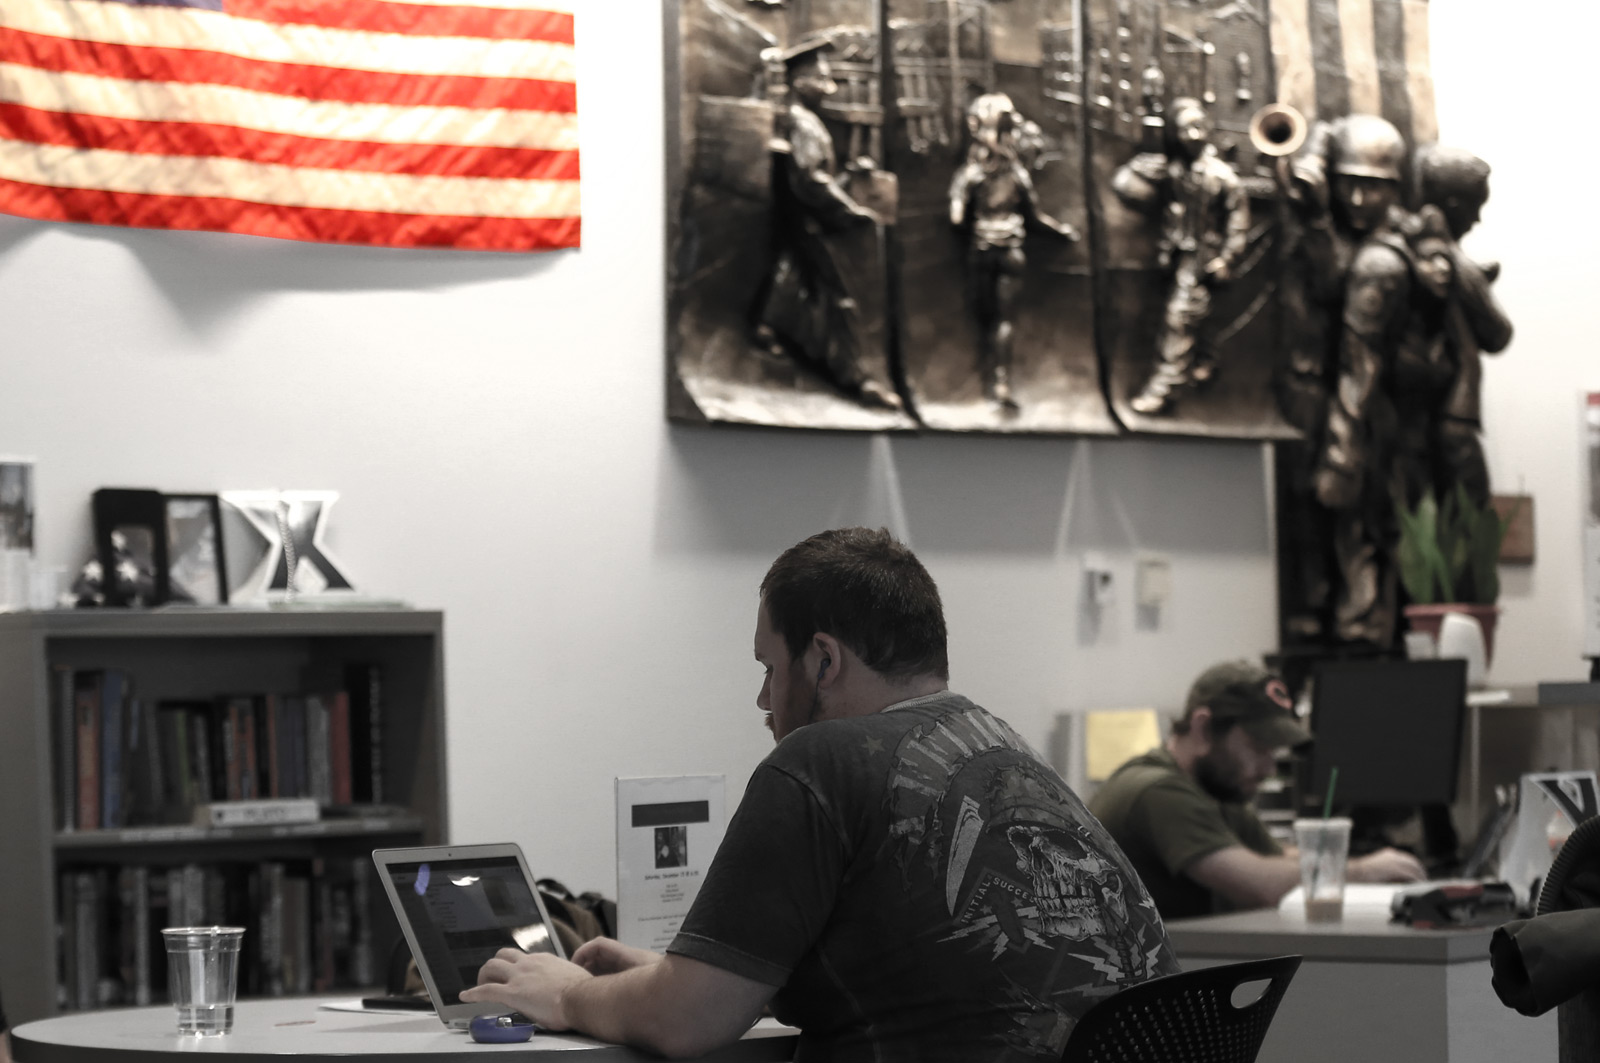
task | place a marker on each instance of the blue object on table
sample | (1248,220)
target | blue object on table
(502,1029)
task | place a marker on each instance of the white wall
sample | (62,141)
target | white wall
(495,425)
(1515,84)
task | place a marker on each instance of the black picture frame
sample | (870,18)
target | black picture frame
(197,570)
(130,537)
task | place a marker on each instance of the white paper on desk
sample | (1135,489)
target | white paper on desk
(668,829)
(1358,897)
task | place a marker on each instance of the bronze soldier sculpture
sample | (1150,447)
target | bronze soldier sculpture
(1357,270)
(1205,227)
(1453,186)
(805,310)
(992,195)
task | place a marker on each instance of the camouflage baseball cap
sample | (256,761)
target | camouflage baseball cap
(1259,700)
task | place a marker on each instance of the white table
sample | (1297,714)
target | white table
(266,1030)
(1372,991)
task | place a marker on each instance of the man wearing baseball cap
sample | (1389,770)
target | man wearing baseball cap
(1181,813)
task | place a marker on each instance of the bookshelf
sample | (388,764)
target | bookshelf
(195,656)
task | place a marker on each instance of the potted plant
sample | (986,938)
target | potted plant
(1449,559)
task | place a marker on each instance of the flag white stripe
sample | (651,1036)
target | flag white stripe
(287,186)
(1419,73)
(114,22)
(273,113)
(560,7)
(1358,35)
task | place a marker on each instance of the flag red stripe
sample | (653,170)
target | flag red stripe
(136,63)
(290,223)
(421,20)
(201,139)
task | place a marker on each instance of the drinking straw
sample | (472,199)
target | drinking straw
(1327,809)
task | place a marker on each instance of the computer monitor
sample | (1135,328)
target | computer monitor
(1393,729)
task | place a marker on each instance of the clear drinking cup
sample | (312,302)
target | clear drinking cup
(1324,851)
(203,976)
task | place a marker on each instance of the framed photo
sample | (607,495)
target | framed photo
(197,572)
(130,537)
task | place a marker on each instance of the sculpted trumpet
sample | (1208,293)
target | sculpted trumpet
(1277,130)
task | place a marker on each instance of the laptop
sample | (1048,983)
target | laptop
(457,906)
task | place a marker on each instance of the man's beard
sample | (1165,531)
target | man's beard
(1213,779)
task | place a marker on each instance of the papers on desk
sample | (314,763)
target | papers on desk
(1364,898)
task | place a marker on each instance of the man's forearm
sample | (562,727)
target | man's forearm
(676,1008)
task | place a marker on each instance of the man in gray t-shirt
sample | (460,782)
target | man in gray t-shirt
(905,879)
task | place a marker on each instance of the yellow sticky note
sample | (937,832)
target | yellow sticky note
(1115,736)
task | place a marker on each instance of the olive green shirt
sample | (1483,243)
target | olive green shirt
(1164,822)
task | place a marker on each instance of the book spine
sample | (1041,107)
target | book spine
(272,927)
(159,906)
(231,761)
(322,922)
(64,724)
(296,764)
(86,701)
(317,749)
(88,935)
(112,740)
(271,751)
(249,775)
(185,788)
(363,965)
(153,774)
(339,747)
(375,724)
(200,745)
(67,945)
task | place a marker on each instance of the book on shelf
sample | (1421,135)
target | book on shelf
(113,739)
(364,683)
(63,727)
(265,811)
(86,715)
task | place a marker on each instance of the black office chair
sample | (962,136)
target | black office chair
(1183,1018)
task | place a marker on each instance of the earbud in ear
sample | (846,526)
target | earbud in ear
(824,669)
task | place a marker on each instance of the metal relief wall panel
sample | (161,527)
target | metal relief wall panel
(992,258)
(777,309)
(1188,236)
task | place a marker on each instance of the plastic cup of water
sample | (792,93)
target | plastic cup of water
(1324,852)
(203,976)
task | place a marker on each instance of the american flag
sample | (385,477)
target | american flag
(1336,57)
(417,124)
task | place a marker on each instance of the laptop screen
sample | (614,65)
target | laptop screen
(463,911)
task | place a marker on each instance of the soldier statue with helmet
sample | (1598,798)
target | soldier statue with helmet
(1355,269)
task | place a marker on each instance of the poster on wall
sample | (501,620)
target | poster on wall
(1591,526)
(16,531)
(668,829)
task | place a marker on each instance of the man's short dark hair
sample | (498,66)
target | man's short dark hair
(866,589)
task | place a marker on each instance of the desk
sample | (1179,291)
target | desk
(267,1030)
(1371,991)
